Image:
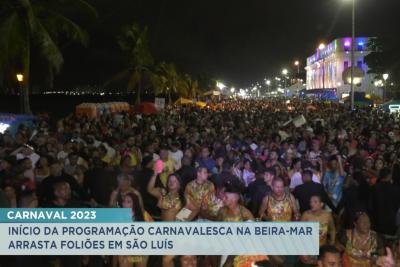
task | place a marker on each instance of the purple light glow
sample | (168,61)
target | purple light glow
(347,44)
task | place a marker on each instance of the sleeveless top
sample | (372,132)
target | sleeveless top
(279,210)
(323,220)
(231,218)
(170,201)
(360,256)
(240,261)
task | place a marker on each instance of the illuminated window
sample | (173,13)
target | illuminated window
(360,46)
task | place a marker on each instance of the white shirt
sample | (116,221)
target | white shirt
(33,157)
(177,157)
(248,177)
(296,180)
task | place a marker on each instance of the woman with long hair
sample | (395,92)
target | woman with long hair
(131,201)
(361,245)
(170,201)
(327,230)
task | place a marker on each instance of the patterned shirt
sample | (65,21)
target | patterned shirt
(200,195)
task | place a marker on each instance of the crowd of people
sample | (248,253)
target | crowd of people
(239,160)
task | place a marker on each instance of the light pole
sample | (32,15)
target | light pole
(268,83)
(353,37)
(385,77)
(285,73)
(20,79)
(297,64)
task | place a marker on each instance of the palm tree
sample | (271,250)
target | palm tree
(166,80)
(135,44)
(36,24)
(189,87)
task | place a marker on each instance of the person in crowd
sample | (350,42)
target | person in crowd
(45,189)
(309,188)
(187,172)
(327,231)
(42,169)
(124,187)
(384,204)
(71,164)
(279,206)
(329,256)
(170,201)
(355,198)
(205,160)
(361,245)
(168,167)
(140,182)
(248,175)
(296,176)
(258,189)
(334,178)
(176,154)
(232,211)
(199,192)
(131,201)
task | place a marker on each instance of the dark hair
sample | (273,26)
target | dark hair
(295,161)
(270,171)
(181,187)
(201,168)
(318,196)
(233,185)
(327,249)
(359,214)
(137,210)
(307,172)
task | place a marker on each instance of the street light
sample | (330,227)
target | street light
(268,83)
(20,77)
(221,86)
(385,77)
(297,64)
(232,90)
(285,72)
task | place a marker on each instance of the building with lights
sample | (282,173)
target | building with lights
(325,68)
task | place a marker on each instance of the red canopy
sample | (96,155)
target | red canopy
(146,108)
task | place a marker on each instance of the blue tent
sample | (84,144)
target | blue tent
(10,122)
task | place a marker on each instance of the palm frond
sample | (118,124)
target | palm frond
(11,41)
(47,47)
(56,22)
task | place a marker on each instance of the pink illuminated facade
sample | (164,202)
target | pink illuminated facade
(326,66)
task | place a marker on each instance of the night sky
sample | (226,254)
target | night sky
(237,41)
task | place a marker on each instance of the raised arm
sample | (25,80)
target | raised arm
(151,187)
(295,208)
(340,165)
